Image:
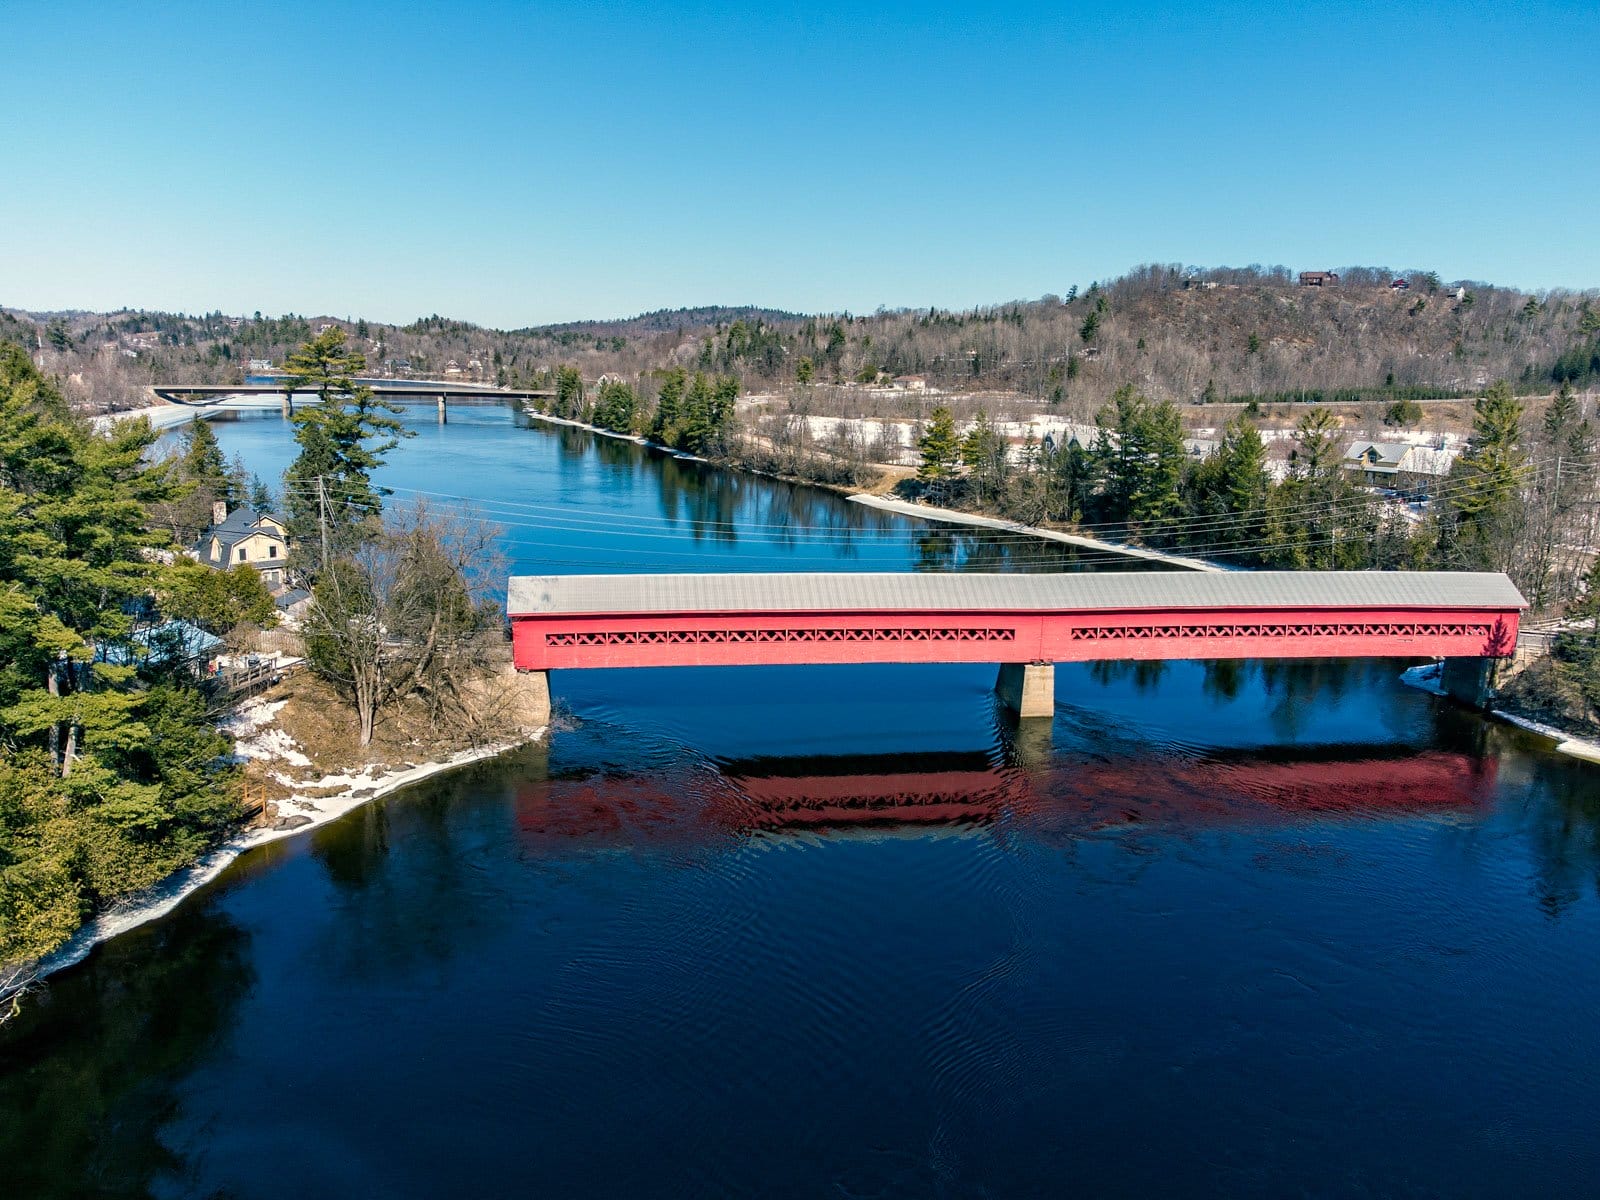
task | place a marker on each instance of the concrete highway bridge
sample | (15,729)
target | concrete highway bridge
(1024,623)
(394,390)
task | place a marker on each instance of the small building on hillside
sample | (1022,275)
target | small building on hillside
(910,383)
(1413,470)
(1399,285)
(245,536)
(292,605)
(1319,279)
(1061,435)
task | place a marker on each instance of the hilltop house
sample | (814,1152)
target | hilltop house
(1319,279)
(245,536)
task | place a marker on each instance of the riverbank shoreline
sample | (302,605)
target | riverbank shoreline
(157,901)
(167,415)
(1426,677)
(905,508)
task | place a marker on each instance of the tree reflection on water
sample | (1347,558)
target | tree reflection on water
(90,1069)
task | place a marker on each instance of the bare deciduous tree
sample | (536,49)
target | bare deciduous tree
(405,613)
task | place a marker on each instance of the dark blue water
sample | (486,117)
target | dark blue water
(1229,930)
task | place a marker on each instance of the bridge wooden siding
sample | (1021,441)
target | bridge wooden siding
(731,620)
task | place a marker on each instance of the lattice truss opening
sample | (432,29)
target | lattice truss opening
(1131,633)
(700,637)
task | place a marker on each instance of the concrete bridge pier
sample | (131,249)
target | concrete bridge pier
(1472,681)
(1026,744)
(288,405)
(1027,689)
(441,410)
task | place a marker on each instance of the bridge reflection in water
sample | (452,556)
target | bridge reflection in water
(969,788)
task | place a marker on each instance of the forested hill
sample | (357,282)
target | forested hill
(671,320)
(1181,334)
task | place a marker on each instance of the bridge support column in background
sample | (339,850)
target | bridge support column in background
(1027,689)
(288,405)
(1471,681)
(441,410)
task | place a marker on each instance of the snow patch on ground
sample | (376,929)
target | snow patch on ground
(274,743)
(252,715)
(255,737)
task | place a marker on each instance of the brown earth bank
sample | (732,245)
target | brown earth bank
(301,738)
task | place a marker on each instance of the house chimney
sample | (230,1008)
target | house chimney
(219,512)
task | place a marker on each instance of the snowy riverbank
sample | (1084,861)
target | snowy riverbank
(1565,743)
(166,415)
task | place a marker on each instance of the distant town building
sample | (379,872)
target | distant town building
(910,383)
(1319,279)
(259,364)
(452,370)
(245,536)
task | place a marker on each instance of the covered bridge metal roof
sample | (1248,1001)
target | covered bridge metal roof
(577,595)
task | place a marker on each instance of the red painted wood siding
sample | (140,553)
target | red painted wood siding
(768,638)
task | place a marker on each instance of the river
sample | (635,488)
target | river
(1255,929)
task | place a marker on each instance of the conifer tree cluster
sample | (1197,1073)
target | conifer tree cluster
(111,773)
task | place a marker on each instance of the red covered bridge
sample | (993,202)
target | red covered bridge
(1026,623)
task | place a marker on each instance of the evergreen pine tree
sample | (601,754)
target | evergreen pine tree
(342,441)
(940,449)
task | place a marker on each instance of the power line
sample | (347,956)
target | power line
(581,520)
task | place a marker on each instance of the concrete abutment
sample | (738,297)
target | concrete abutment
(528,698)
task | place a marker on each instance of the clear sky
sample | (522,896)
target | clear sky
(521,163)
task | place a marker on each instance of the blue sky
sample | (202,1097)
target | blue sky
(521,163)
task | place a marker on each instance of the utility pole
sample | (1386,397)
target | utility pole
(322,517)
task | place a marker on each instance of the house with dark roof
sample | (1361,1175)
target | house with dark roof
(292,604)
(245,536)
